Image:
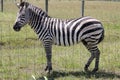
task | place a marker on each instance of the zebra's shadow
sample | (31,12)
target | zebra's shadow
(101,74)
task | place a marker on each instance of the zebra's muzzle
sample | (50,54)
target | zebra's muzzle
(17,27)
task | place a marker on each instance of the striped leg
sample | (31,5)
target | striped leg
(95,53)
(97,56)
(89,62)
(48,50)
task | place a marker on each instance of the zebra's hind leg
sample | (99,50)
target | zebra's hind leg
(95,53)
(97,56)
(89,62)
(90,59)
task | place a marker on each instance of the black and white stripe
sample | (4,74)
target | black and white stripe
(50,31)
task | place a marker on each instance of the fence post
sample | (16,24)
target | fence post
(82,8)
(20,1)
(1,5)
(46,6)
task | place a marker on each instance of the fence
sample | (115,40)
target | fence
(22,55)
(46,6)
(1,5)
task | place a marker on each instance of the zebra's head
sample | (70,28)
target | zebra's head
(22,16)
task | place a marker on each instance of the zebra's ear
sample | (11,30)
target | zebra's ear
(24,4)
(18,5)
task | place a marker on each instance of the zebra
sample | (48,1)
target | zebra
(60,32)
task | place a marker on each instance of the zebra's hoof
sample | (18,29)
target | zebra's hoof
(48,68)
(86,68)
(95,70)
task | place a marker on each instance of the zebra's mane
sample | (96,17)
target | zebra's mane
(35,9)
(38,10)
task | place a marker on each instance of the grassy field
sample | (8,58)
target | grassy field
(22,55)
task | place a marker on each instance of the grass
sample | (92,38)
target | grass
(22,55)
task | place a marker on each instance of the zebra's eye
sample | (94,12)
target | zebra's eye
(21,16)
(21,9)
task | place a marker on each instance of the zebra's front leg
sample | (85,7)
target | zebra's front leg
(48,50)
(49,63)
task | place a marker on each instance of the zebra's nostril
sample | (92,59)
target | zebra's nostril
(16,27)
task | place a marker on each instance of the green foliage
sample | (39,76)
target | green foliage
(22,55)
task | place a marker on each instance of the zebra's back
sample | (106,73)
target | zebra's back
(72,31)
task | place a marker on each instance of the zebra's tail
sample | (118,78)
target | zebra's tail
(102,37)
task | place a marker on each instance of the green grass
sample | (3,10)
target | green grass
(22,55)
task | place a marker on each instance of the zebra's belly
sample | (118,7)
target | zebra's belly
(65,42)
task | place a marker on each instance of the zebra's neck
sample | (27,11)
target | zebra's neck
(38,19)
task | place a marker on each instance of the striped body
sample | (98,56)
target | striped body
(65,32)
(73,31)
(50,31)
